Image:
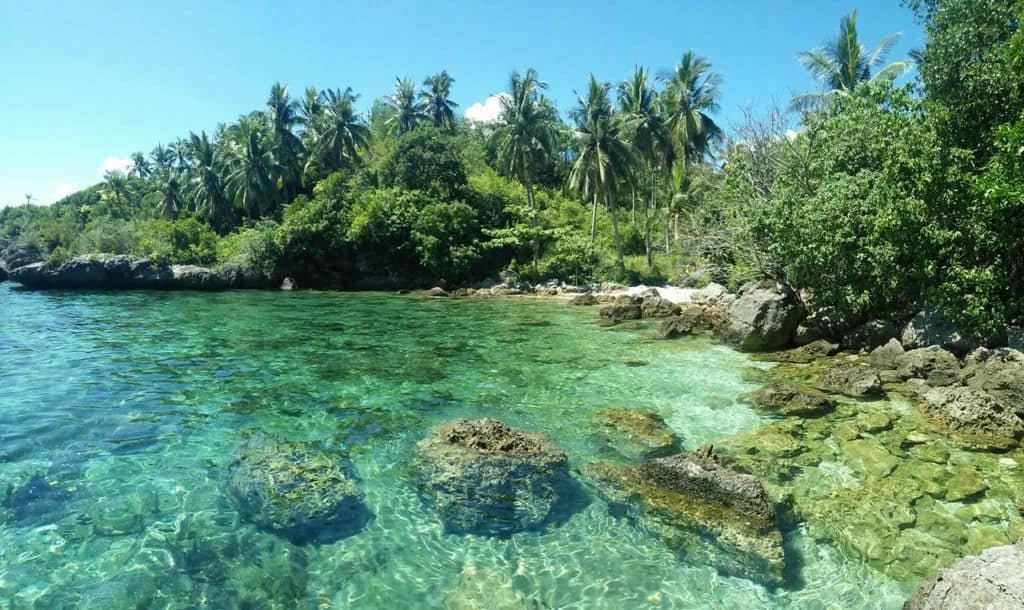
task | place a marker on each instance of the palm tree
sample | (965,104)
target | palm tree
(141,166)
(28,198)
(172,197)
(691,94)
(310,106)
(338,132)
(648,134)
(842,64)
(525,136)
(116,188)
(603,158)
(206,188)
(407,112)
(178,151)
(282,115)
(434,99)
(162,158)
(250,167)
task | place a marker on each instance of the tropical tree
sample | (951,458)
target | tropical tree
(162,157)
(141,166)
(434,99)
(647,130)
(604,160)
(407,114)
(206,187)
(286,148)
(691,95)
(250,167)
(178,151)
(842,64)
(525,136)
(338,132)
(310,106)
(171,195)
(115,191)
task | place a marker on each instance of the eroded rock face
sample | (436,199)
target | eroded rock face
(791,400)
(933,364)
(825,323)
(974,418)
(485,477)
(805,354)
(622,309)
(703,509)
(870,335)
(992,580)
(763,318)
(886,357)
(122,272)
(997,372)
(636,434)
(850,380)
(658,307)
(192,277)
(930,328)
(298,490)
(3,274)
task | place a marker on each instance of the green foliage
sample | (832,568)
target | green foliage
(381,229)
(254,247)
(425,159)
(446,238)
(571,259)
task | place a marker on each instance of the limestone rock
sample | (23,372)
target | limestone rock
(992,580)
(437,291)
(885,357)
(973,417)
(999,373)
(870,335)
(933,364)
(825,323)
(637,433)
(763,318)
(658,307)
(790,400)
(929,328)
(805,354)
(853,381)
(192,277)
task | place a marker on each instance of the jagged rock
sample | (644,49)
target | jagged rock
(825,323)
(701,508)
(192,277)
(973,417)
(870,335)
(13,256)
(929,328)
(657,307)
(437,291)
(763,318)
(885,357)
(992,580)
(297,490)
(933,364)
(236,276)
(692,318)
(3,274)
(1015,338)
(853,381)
(637,433)
(485,477)
(791,400)
(997,372)
(623,308)
(587,298)
(288,284)
(805,354)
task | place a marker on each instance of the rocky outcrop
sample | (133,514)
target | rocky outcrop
(992,580)
(790,400)
(12,256)
(870,335)
(657,307)
(997,372)
(825,323)
(485,477)
(622,309)
(636,434)
(3,274)
(929,328)
(701,508)
(851,380)
(763,318)
(974,418)
(587,298)
(933,364)
(298,490)
(886,357)
(805,354)
(122,272)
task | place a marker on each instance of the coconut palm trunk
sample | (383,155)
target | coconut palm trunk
(593,222)
(610,204)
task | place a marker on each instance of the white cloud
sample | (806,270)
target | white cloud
(486,112)
(62,191)
(115,164)
(790,135)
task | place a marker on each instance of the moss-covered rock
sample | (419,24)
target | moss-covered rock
(793,400)
(636,434)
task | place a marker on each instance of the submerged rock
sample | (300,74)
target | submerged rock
(702,509)
(36,502)
(791,400)
(485,477)
(478,589)
(637,433)
(298,490)
(805,354)
(851,380)
(992,580)
(763,318)
(974,418)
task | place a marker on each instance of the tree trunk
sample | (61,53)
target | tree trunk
(647,229)
(610,202)
(632,213)
(533,222)
(593,223)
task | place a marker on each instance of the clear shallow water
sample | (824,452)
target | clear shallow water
(132,405)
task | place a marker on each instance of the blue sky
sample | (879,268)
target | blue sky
(84,84)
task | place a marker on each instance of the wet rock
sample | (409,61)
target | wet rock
(485,477)
(868,458)
(853,381)
(992,580)
(639,434)
(933,364)
(974,418)
(825,323)
(964,482)
(703,509)
(763,318)
(805,354)
(998,372)
(870,335)
(624,308)
(886,357)
(478,589)
(192,277)
(288,284)
(691,318)
(587,298)
(437,291)
(658,307)
(791,400)
(36,502)
(298,490)
(930,328)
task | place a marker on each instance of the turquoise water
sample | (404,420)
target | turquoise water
(129,407)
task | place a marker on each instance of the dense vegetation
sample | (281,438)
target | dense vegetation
(888,197)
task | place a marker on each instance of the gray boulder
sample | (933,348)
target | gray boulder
(437,291)
(288,284)
(587,298)
(992,580)
(933,364)
(998,372)
(929,328)
(236,276)
(786,399)
(825,323)
(870,335)
(853,381)
(973,417)
(298,490)
(658,307)
(144,273)
(763,318)
(485,477)
(622,309)
(1015,338)
(192,277)
(886,357)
